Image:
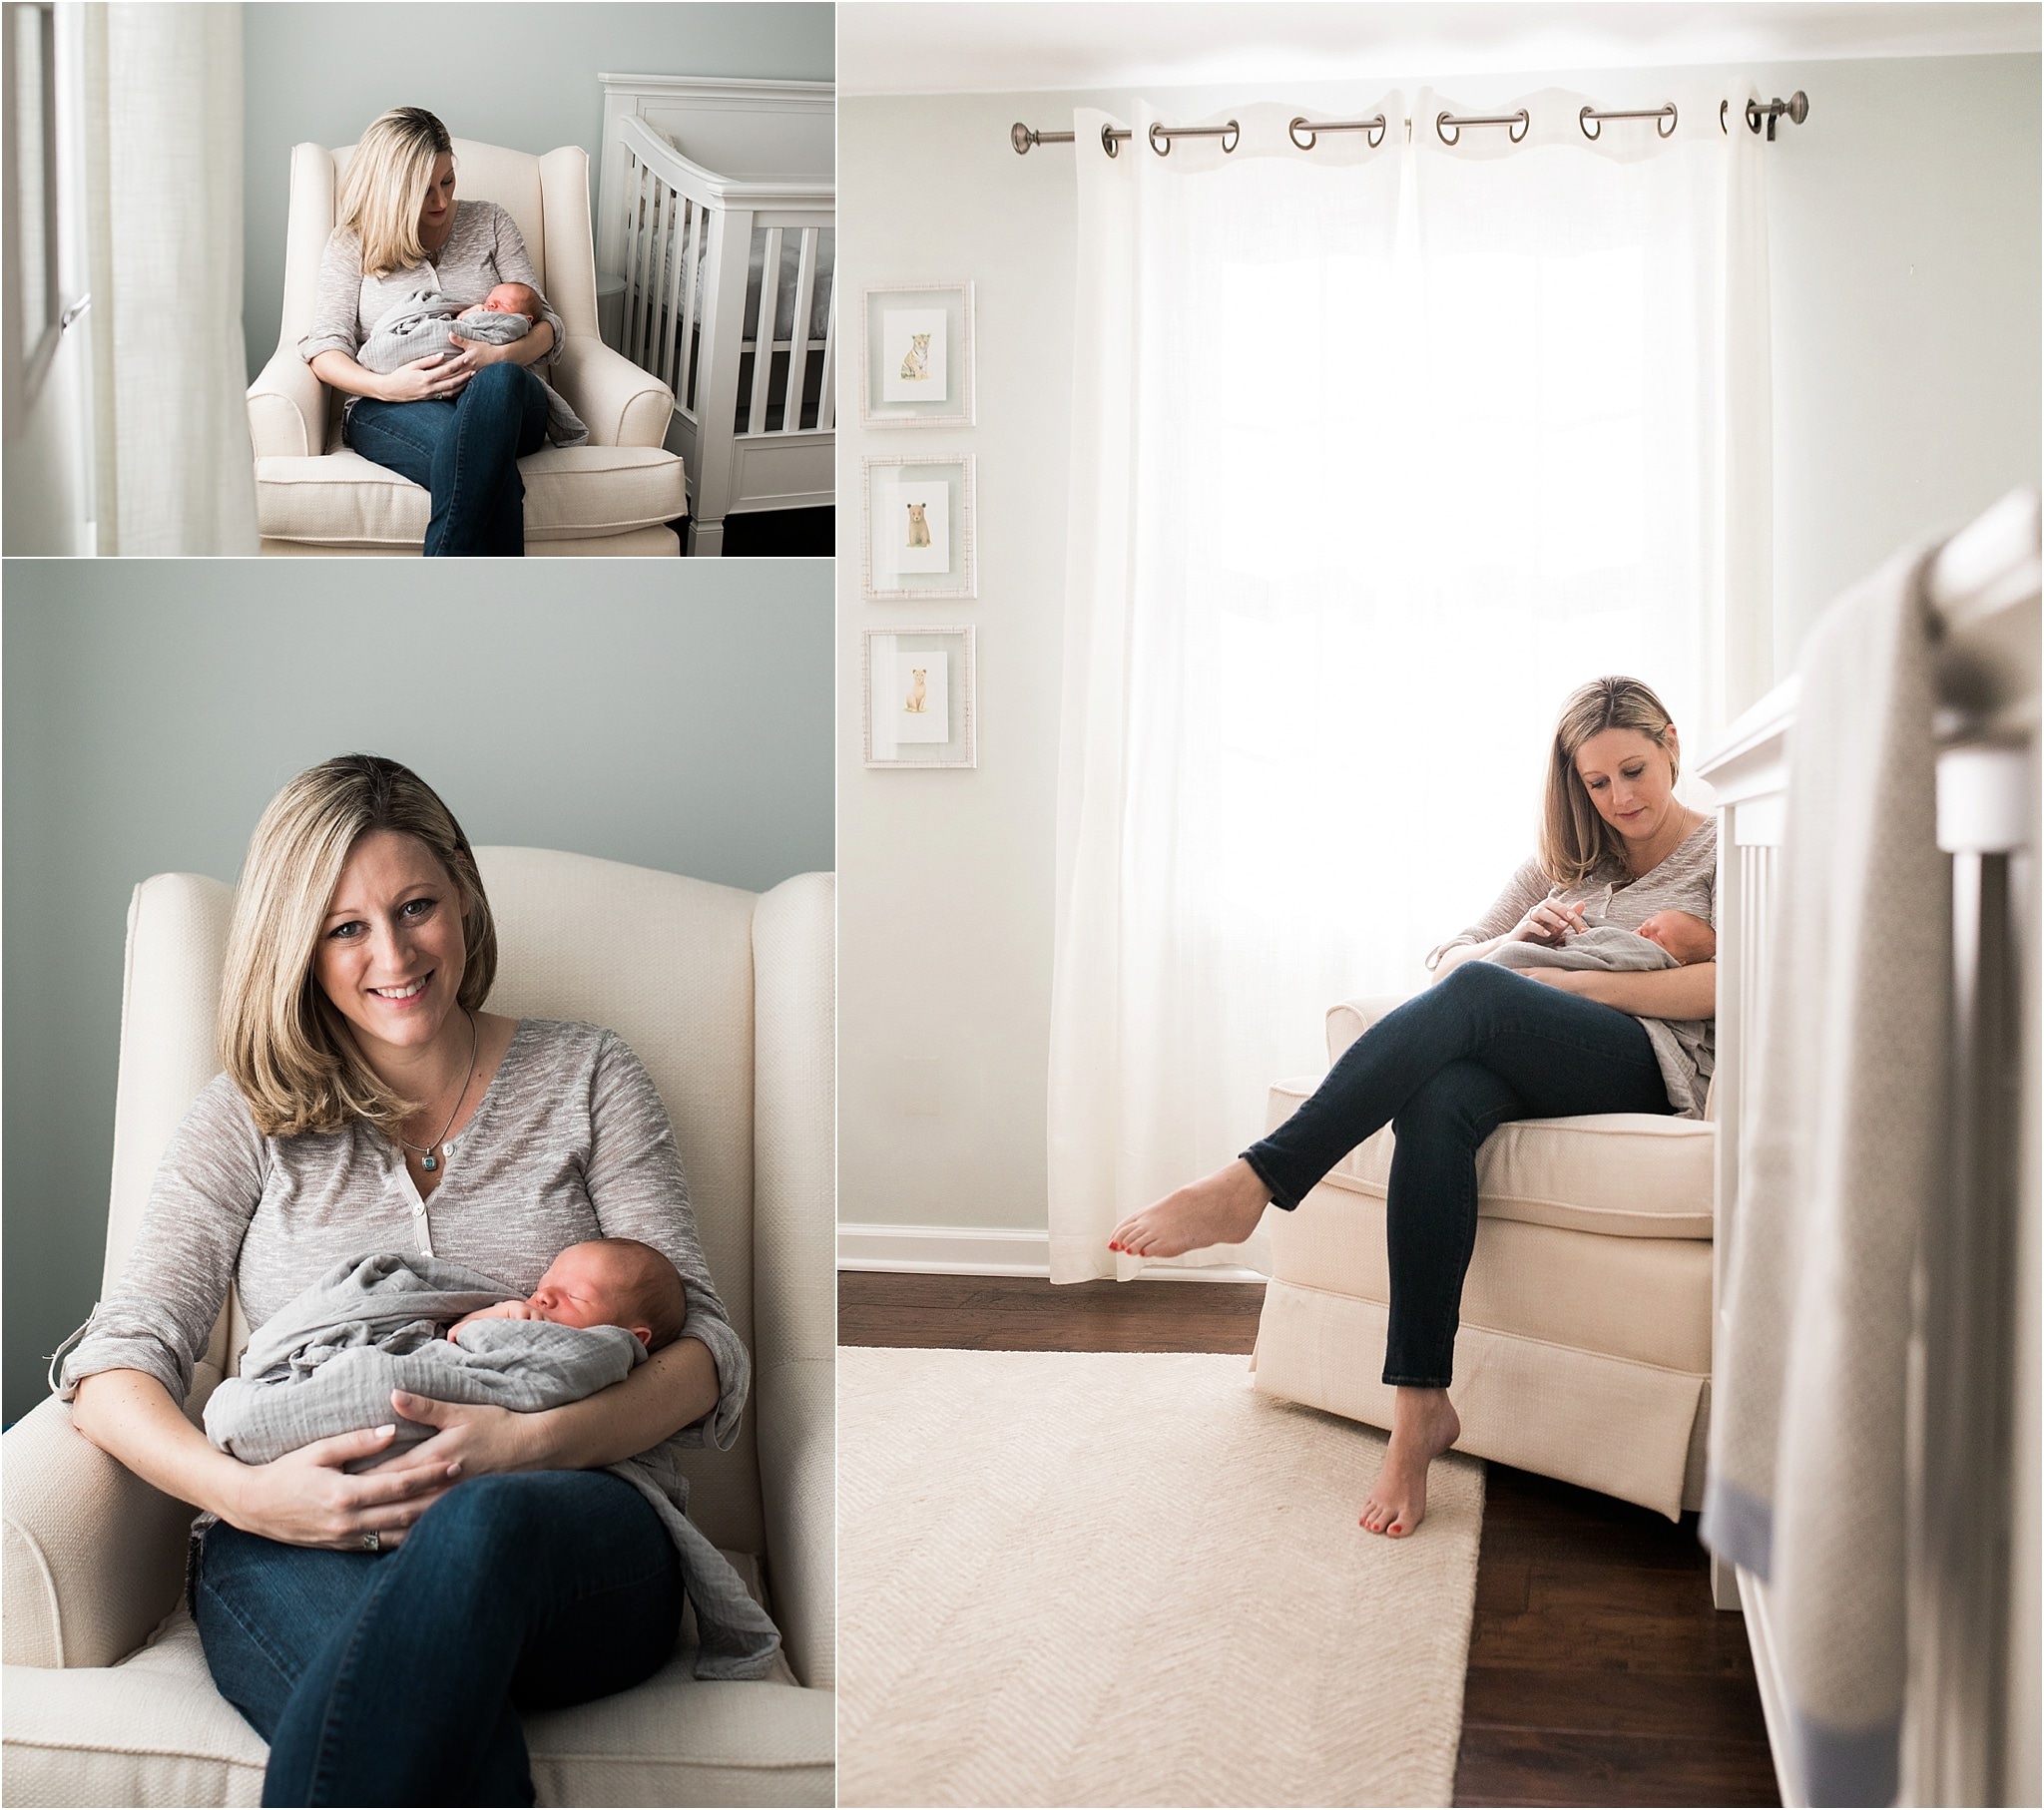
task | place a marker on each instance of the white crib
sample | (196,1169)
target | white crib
(718,208)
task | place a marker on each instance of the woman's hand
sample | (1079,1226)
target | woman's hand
(306,1498)
(479,352)
(1551,921)
(476,1440)
(437,377)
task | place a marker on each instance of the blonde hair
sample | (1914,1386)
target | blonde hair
(386,186)
(288,1048)
(1574,841)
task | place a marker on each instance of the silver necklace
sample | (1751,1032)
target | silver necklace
(427,1159)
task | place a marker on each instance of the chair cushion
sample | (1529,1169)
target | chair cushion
(152,1730)
(1624,1175)
(571,493)
(1646,1301)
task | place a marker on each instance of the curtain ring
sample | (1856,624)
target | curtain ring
(1231,138)
(1525,126)
(1673,118)
(1310,140)
(1753,115)
(1583,119)
(1724,106)
(1163,149)
(1106,141)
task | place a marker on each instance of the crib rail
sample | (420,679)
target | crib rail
(688,238)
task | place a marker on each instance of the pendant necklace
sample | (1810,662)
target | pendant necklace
(427,1159)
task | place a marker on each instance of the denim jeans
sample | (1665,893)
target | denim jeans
(465,452)
(395,1678)
(1444,1071)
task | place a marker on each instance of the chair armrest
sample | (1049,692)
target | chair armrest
(619,405)
(795,1260)
(287,408)
(798,1479)
(93,1557)
(1349,1019)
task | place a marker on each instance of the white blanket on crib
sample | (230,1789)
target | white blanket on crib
(1806,1487)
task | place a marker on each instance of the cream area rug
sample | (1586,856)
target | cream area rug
(1081,1578)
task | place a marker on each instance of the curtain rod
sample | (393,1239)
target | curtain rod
(1447,125)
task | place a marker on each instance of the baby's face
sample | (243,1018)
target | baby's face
(512,298)
(1685,938)
(584,1287)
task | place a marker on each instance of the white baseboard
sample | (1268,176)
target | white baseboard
(948,1250)
(978,1250)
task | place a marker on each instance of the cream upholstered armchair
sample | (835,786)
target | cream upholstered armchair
(728,998)
(615,495)
(1585,1348)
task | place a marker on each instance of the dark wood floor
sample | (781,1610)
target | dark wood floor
(1599,1672)
(775,534)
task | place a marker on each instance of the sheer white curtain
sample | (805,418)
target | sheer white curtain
(174,468)
(1377,454)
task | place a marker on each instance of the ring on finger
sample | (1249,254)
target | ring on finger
(372,1541)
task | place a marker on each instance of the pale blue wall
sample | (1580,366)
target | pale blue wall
(516,74)
(664,712)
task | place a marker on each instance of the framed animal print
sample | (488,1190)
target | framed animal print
(918,529)
(915,356)
(918,686)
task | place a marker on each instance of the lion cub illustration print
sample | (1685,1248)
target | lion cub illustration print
(915,368)
(919,691)
(918,524)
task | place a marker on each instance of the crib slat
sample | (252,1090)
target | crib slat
(827,399)
(691,271)
(661,224)
(634,277)
(763,328)
(798,333)
(678,209)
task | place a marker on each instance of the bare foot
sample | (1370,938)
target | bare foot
(1424,1424)
(1222,1209)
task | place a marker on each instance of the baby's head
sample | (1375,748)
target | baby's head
(1687,939)
(513,299)
(614,1282)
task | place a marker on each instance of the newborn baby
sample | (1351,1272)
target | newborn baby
(327,1360)
(426,322)
(1667,939)
(605,1282)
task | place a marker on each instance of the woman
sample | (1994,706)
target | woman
(1485,1045)
(381,1629)
(454,423)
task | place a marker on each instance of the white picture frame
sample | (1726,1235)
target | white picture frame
(892,393)
(918,698)
(916,529)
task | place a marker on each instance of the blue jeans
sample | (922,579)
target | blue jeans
(396,1677)
(1444,1071)
(464,452)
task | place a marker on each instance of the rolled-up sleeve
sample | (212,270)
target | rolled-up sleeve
(160,1314)
(514,264)
(639,1190)
(337,303)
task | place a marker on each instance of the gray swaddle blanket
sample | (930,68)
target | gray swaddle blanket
(326,1362)
(1603,946)
(423,324)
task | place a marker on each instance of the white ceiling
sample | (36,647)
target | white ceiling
(1023,46)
